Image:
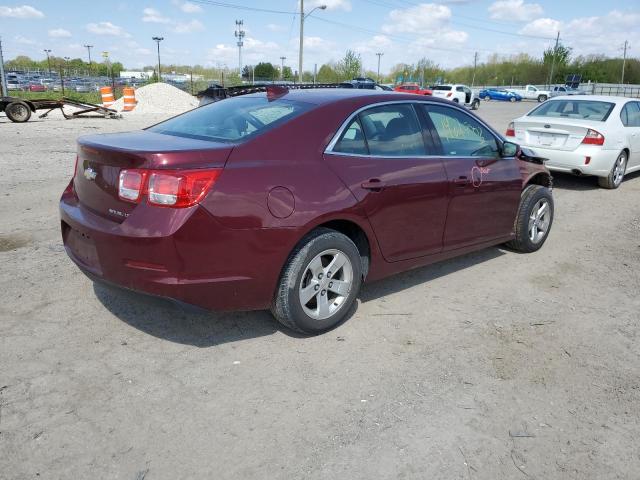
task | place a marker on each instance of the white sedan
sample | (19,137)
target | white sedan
(584,135)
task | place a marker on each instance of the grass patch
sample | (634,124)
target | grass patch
(88,97)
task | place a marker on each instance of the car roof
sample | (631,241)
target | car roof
(601,98)
(325,96)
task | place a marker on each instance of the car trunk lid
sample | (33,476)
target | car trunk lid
(553,133)
(101,158)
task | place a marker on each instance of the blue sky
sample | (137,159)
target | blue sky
(202,31)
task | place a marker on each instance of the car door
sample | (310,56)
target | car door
(483,187)
(630,116)
(381,156)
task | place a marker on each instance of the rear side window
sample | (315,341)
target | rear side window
(393,131)
(460,134)
(589,109)
(233,119)
(630,114)
(352,140)
(442,87)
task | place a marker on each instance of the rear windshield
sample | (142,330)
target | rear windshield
(233,119)
(442,87)
(409,87)
(586,109)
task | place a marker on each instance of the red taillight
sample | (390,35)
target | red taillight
(511,131)
(169,188)
(131,185)
(593,138)
(449,94)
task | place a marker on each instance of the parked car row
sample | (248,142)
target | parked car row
(38,83)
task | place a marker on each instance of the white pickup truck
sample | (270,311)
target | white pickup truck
(531,92)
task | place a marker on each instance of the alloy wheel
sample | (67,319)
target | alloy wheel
(326,284)
(539,220)
(619,168)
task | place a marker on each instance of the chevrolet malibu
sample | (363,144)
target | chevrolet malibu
(584,135)
(290,200)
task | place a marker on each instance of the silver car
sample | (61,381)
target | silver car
(564,90)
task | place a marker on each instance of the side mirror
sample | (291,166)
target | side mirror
(509,149)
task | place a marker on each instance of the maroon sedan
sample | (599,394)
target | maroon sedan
(290,200)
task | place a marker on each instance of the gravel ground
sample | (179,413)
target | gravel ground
(491,366)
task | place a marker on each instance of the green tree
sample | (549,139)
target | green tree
(327,74)
(350,66)
(266,71)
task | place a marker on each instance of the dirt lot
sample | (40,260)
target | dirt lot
(491,366)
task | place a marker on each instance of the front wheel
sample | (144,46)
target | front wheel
(319,283)
(614,179)
(512,99)
(534,219)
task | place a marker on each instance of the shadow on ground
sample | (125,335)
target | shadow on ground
(178,323)
(567,181)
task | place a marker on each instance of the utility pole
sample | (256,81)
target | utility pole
(302,19)
(47,51)
(89,47)
(158,40)
(315,72)
(3,79)
(475,65)
(239,35)
(66,66)
(624,60)
(553,61)
(282,59)
(379,54)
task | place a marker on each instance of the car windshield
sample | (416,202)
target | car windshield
(409,87)
(233,119)
(442,87)
(587,109)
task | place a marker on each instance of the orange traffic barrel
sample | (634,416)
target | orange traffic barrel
(107,96)
(129,95)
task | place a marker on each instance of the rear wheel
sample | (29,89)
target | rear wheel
(512,99)
(18,112)
(614,179)
(542,98)
(319,283)
(475,105)
(534,219)
(455,100)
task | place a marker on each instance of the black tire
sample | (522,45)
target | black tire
(613,181)
(530,199)
(287,306)
(455,100)
(475,105)
(487,98)
(18,112)
(512,99)
(542,98)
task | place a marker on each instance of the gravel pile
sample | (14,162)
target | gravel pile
(159,98)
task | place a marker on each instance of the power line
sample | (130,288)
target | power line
(243,7)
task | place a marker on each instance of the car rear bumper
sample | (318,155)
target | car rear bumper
(599,161)
(187,256)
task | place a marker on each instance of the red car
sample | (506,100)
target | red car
(412,88)
(290,200)
(36,87)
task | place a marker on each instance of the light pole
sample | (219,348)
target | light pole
(89,47)
(239,33)
(379,54)
(282,59)
(47,51)
(66,67)
(158,40)
(302,19)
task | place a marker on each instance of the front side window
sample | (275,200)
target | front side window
(630,114)
(233,119)
(460,134)
(392,131)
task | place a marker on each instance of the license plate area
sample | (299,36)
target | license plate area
(83,248)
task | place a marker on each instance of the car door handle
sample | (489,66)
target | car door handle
(461,181)
(374,184)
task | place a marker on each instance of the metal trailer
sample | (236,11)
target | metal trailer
(19,110)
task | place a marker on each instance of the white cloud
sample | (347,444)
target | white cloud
(143,51)
(107,28)
(189,7)
(188,27)
(542,27)
(151,15)
(275,27)
(515,10)
(59,33)
(24,40)
(25,11)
